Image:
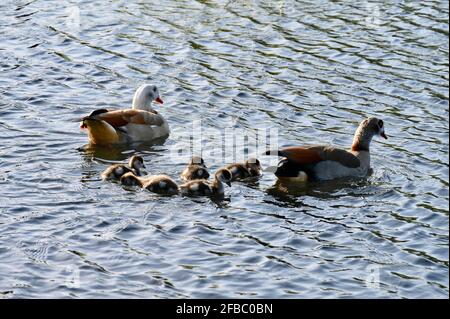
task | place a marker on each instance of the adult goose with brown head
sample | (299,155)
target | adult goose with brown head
(310,163)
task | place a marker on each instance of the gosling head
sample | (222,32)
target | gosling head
(129,179)
(224,176)
(197,160)
(136,162)
(253,165)
(145,95)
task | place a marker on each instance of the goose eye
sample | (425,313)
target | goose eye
(380,123)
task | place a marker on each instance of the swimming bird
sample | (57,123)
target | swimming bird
(196,169)
(160,184)
(116,171)
(138,124)
(250,168)
(202,187)
(312,163)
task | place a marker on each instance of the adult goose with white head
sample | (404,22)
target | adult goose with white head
(139,124)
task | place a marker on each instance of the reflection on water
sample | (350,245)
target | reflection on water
(308,70)
(111,154)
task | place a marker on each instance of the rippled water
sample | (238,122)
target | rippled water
(309,69)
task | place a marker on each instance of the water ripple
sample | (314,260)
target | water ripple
(310,69)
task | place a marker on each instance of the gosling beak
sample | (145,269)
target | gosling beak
(158,100)
(383,135)
(228,183)
(83,126)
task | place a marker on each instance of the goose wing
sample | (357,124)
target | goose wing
(304,155)
(120,118)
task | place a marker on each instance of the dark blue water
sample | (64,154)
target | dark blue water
(310,71)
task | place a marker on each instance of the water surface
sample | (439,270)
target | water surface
(309,69)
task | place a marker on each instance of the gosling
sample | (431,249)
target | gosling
(159,184)
(196,169)
(116,171)
(202,187)
(239,171)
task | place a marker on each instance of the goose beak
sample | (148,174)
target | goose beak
(383,135)
(228,183)
(158,100)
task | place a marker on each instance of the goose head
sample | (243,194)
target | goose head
(379,128)
(368,128)
(373,126)
(144,96)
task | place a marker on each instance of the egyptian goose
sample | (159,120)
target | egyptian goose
(160,184)
(202,187)
(251,168)
(116,171)
(196,169)
(315,163)
(138,124)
